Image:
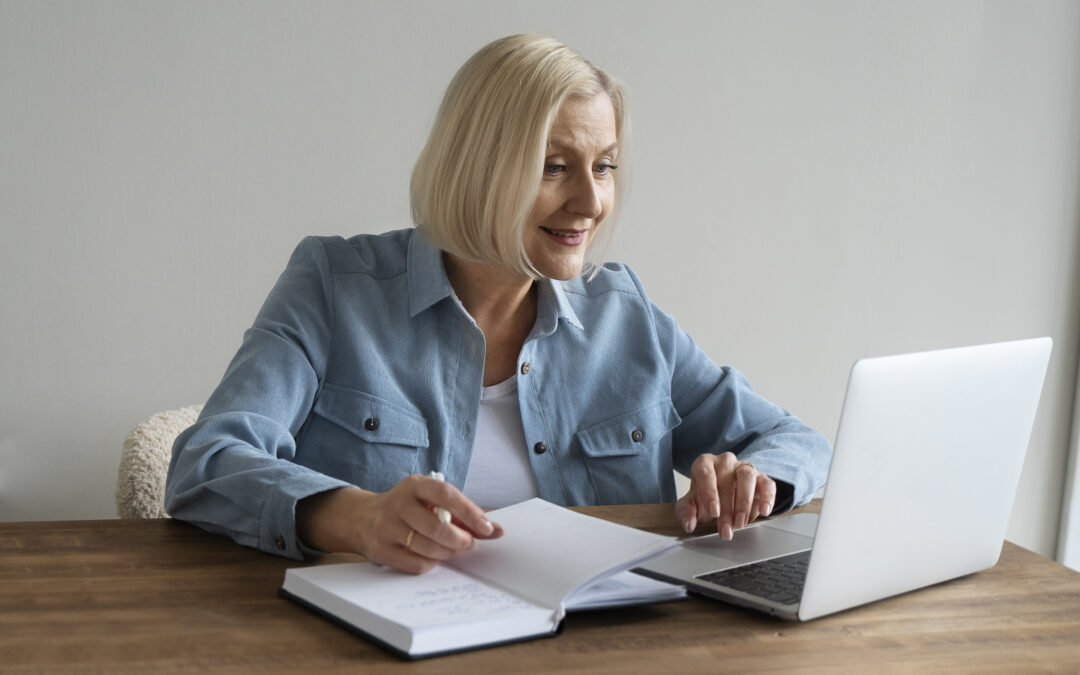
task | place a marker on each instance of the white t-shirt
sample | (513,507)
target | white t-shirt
(499,471)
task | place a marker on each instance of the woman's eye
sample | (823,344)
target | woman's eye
(605,168)
(554,169)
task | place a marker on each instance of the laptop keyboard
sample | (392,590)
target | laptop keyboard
(779,579)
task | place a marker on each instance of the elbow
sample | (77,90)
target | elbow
(175,483)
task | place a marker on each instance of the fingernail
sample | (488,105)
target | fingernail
(727,532)
(487,527)
(767,510)
(688,525)
(715,508)
(740,520)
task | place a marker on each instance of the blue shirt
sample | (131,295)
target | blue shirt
(363,367)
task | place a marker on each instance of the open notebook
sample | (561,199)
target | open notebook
(517,587)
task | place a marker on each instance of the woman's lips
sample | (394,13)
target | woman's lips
(566,237)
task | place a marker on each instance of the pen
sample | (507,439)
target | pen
(444,514)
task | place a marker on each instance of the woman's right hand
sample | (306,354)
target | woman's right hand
(397,528)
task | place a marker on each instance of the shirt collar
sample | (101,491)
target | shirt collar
(552,304)
(427,276)
(428,285)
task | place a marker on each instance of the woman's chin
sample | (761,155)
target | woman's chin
(562,270)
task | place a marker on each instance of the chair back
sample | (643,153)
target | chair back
(144,463)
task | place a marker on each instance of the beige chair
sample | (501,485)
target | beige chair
(144,461)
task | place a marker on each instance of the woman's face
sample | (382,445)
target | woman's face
(578,187)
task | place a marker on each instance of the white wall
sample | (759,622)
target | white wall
(813,182)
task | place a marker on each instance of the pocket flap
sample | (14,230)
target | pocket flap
(371,418)
(631,433)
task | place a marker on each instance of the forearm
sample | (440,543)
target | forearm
(328,521)
(227,485)
(733,418)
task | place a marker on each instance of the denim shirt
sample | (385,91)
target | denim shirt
(363,367)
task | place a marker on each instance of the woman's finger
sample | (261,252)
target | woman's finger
(686,512)
(703,486)
(766,494)
(405,560)
(416,509)
(425,546)
(467,515)
(726,486)
(744,478)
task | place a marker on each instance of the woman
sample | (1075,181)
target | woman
(483,344)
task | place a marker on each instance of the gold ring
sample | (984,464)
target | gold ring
(408,539)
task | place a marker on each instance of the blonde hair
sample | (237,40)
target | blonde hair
(478,175)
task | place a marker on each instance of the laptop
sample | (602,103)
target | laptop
(924,470)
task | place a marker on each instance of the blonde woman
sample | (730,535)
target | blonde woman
(487,344)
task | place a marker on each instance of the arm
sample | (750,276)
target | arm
(231,472)
(234,473)
(742,452)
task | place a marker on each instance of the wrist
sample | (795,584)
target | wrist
(326,521)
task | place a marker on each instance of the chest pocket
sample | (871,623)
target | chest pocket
(628,457)
(369,441)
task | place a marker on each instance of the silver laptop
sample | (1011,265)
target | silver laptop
(924,471)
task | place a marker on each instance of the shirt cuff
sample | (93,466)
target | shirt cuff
(785,497)
(278,531)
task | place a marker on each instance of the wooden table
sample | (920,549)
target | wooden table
(145,596)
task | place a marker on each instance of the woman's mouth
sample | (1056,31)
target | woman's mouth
(566,237)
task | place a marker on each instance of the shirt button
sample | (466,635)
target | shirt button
(279,541)
(637,435)
(525,367)
(540,448)
(371,423)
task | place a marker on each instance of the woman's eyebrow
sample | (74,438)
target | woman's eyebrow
(554,144)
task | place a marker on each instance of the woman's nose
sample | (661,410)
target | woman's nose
(585,198)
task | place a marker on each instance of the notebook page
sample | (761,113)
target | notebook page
(632,588)
(549,551)
(440,596)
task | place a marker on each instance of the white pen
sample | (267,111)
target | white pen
(444,514)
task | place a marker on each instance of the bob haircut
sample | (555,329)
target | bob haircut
(475,181)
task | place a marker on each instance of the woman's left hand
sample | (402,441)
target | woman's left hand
(731,491)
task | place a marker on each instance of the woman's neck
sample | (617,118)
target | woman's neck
(502,303)
(487,291)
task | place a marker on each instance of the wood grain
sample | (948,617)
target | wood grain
(148,596)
